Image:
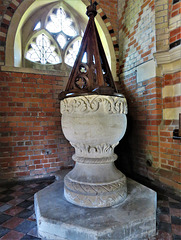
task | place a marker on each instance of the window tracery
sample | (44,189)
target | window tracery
(41,50)
(25,28)
(65,41)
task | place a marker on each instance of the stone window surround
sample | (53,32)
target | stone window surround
(41,15)
(21,14)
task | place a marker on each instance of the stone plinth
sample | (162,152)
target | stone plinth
(94,125)
(134,219)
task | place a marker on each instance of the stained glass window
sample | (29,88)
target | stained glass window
(64,43)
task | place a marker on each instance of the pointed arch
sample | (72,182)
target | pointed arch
(20,14)
(42,48)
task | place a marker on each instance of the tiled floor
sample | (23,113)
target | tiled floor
(17,219)
(168,218)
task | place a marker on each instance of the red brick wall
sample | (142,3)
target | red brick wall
(30,126)
(151,137)
(144,102)
(151,151)
(175,35)
(133,28)
(30,109)
(170,155)
(175,31)
(170,149)
(110,9)
(175,9)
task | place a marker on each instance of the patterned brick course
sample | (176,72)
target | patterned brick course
(136,33)
(150,138)
(146,27)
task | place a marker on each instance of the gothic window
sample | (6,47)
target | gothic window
(55,39)
(46,35)
(42,50)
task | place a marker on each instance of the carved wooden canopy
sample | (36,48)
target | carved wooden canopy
(91,73)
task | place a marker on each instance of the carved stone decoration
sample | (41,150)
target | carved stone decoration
(93,103)
(94,125)
(101,150)
(94,121)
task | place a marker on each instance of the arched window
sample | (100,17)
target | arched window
(54,39)
(45,36)
(42,49)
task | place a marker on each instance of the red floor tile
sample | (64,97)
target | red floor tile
(15,201)
(17,187)
(16,194)
(12,223)
(13,235)
(14,210)
(176,229)
(32,217)
(168,214)
(33,185)
(165,218)
(175,212)
(164,203)
(163,236)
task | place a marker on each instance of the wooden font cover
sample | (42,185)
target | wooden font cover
(91,73)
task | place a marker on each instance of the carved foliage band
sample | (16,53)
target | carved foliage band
(102,150)
(93,103)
